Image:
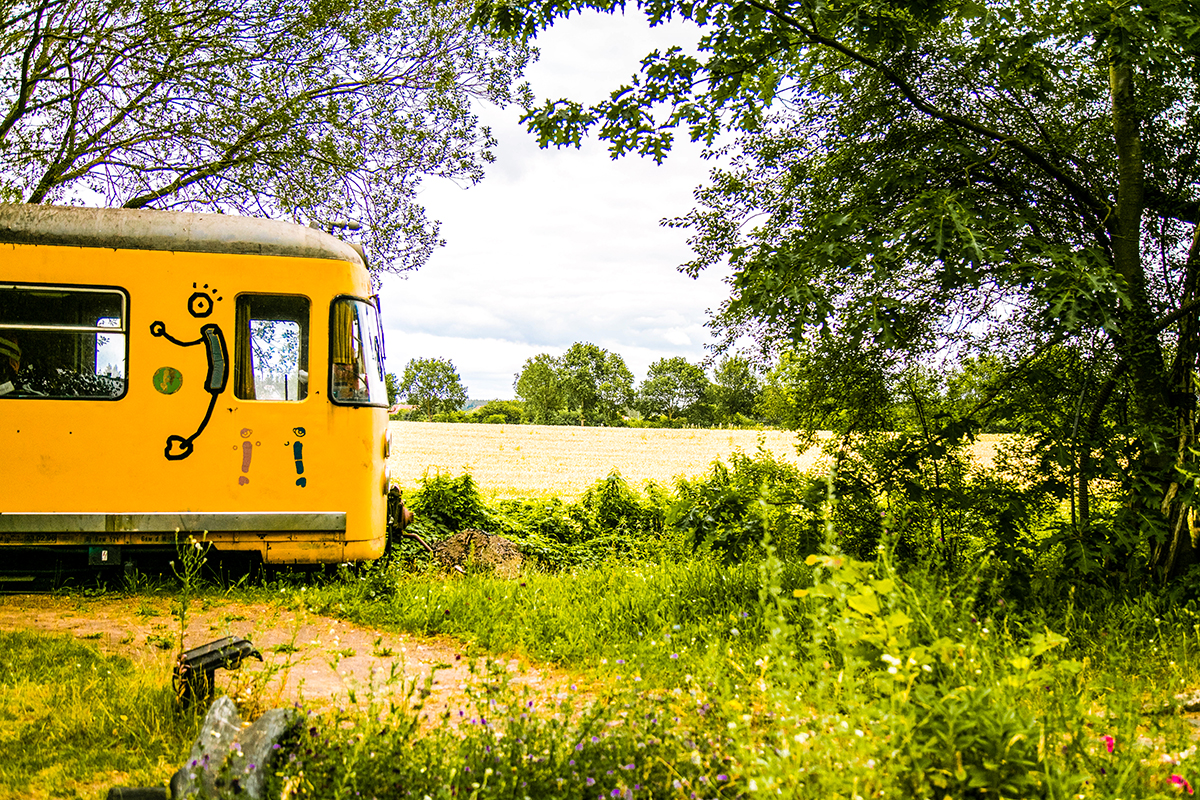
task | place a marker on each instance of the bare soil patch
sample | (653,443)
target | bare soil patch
(309,659)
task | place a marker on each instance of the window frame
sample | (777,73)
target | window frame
(379,354)
(304,356)
(78,288)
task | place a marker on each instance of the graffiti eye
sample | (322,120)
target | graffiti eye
(200,304)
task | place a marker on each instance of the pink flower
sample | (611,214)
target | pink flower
(1110,743)
(1178,780)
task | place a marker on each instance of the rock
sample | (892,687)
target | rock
(477,548)
(230,760)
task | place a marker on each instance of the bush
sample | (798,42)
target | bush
(445,505)
(734,509)
(511,412)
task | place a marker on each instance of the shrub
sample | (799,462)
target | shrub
(735,508)
(445,505)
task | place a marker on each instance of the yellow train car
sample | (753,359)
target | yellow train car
(165,374)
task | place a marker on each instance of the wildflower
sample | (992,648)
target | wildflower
(1179,781)
(674,655)
(591,781)
(1110,743)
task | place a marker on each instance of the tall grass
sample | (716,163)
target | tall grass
(845,678)
(73,720)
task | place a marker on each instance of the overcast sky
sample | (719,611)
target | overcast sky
(559,246)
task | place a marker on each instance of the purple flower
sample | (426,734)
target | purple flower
(616,792)
(591,781)
(674,655)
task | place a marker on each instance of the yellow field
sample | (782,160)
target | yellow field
(521,460)
(512,460)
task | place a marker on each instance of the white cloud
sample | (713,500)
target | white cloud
(559,246)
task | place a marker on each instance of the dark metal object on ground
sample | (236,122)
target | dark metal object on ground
(195,668)
(399,518)
(138,793)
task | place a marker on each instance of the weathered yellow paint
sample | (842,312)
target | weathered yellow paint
(98,456)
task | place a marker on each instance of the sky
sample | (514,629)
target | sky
(561,245)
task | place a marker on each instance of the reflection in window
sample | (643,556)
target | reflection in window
(271,348)
(61,342)
(356,353)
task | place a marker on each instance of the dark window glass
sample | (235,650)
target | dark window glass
(63,342)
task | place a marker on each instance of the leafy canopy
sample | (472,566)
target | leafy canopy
(973,177)
(309,110)
(433,386)
(671,387)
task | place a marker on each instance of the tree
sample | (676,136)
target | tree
(507,411)
(735,388)
(433,386)
(539,385)
(309,110)
(393,387)
(596,383)
(671,387)
(998,178)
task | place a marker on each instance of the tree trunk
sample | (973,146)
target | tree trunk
(1178,551)
(1138,343)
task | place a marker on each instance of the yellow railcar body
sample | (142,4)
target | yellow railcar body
(179,453)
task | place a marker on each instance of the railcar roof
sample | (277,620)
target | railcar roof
(146,229)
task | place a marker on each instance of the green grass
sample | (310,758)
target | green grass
(838,679)
(835,678)
(74,722)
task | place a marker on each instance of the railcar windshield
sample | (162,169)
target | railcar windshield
(356,351)
(62,342)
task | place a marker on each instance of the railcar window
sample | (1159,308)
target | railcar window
(270,360)
(63,342)
(356,354)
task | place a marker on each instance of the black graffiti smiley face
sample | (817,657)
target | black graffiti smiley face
(200,304)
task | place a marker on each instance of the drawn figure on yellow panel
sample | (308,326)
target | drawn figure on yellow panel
(200,305)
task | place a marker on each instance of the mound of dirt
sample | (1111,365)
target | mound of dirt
(479,549)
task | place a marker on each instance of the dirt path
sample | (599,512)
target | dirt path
(310,659)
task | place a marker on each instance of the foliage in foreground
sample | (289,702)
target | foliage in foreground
(831,677)
(840,678)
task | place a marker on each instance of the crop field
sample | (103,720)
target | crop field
(524,460)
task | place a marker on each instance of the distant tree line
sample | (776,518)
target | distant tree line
(804,388)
